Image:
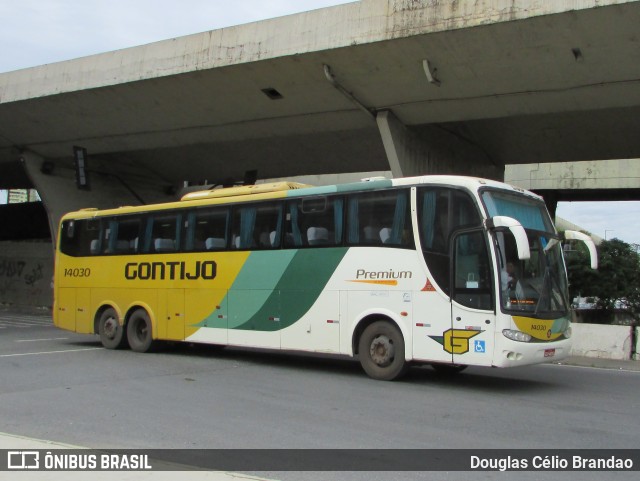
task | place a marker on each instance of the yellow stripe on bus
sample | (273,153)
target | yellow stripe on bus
(380,283)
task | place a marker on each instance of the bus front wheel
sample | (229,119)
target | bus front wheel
(111,331)
(139,331)
(381,351)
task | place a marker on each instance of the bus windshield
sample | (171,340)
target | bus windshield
(535,287)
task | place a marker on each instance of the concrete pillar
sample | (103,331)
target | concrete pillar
(396,139)
(432,150)
(55,181)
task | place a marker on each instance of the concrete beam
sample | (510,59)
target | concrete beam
(593,180)
(586,175)
(606,180)
(351,24)
(528,81)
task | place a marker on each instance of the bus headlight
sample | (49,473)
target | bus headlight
(516,335)
(567,333)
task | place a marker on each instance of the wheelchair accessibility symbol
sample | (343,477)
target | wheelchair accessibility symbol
(479,346)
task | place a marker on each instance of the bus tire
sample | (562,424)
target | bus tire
(381,351)
(139,331)
(111,332)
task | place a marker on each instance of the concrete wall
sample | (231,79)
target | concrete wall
(602,341)
(26,274)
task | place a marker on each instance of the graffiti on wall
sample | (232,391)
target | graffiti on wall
(24,281)
(11,268)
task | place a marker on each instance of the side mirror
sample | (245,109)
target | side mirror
(593,253)
(520,235)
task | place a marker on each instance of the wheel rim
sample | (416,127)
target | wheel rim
(111,328)
(141,330)
(382,351)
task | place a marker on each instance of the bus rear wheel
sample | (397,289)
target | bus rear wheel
(381,351)
(110,330)
(139,331)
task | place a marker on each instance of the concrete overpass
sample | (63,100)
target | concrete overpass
(410,86)
(604,180)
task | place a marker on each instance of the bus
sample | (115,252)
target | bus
(443,270)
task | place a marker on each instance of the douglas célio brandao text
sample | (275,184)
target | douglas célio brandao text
(551,463)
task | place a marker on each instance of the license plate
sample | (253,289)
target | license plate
(549,352)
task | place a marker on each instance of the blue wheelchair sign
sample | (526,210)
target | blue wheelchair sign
(479,346)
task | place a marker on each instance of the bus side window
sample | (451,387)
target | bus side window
(89,237)
(108,236)
(163,233)
(79,238)
(314,222)
(119,235)
(128,233)
(269,225)
(256,226)
(380,218)
(441,212)
(206,229)
(472,278)
(465,213)
(70,242)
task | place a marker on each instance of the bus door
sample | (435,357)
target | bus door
(432,322)
(66,308)
(171,314)
(471,338)
(73,307)
(84,315)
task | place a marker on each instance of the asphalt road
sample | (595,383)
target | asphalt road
(65,387)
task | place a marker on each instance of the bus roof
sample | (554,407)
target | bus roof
(243,190)
(278,190)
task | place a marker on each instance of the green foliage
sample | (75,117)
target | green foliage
(617,277)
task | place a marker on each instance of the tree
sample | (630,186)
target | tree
(616,280)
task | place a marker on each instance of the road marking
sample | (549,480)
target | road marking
(50,352)
(38,340)
(23,321)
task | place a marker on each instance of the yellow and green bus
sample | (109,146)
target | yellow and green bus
(443,270)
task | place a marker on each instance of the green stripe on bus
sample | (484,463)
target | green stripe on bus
(333,189)
(302,282)
(275,288)
(260,274)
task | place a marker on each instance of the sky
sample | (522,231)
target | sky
(36,32)
(608,220)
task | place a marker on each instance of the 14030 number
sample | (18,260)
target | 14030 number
(78,272)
